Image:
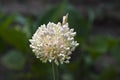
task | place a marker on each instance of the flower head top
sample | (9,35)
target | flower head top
(54,42)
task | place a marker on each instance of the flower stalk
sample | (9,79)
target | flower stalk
(55,71)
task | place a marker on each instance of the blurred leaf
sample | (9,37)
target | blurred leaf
(38,68)
(108,74)
(16,38)
(7,20)
(91,16)
(94,76)
(97,46)
(81,24)
(100,44)
(27,28)
(73,67)
(2,17)
(25,24)
(53,15)
(13,60)
(88,60)
(116,53)
(2,45)
(67,76)
(20,19)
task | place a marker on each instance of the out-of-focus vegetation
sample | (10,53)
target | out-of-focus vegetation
(97,57)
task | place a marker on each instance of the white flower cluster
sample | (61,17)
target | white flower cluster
(54,42)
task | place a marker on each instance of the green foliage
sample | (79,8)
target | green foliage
(81,25)
(3,45)
(14,37)
(13,60)
(107,74)
(116,53)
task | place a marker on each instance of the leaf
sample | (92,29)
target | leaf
(116,53)
(97,46)
(2,45)
(16,38)
(81,24)
(38,68)
(67,76)
(100,44)
(26,23)
(20,19)
(7,20)
(108,74)
(13,60)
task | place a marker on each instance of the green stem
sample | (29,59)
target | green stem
(55,71)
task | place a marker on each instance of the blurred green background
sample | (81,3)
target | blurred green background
(97,23)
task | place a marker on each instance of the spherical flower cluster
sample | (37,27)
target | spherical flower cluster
(54,42)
